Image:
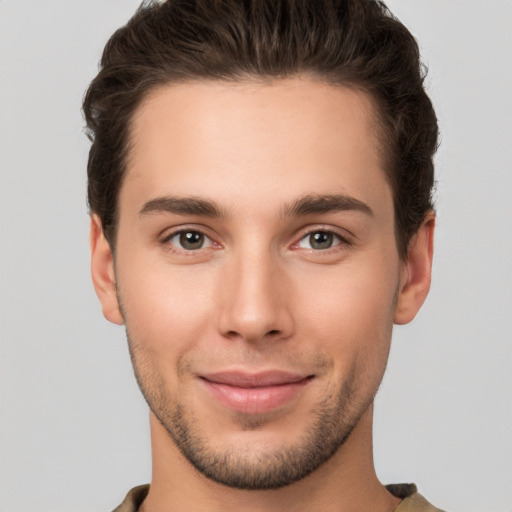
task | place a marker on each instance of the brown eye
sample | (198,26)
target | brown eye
(189,240)
(320,240)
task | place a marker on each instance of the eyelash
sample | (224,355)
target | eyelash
(187,252)
(342,241)
(342,244)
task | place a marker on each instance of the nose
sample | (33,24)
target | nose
(255,303)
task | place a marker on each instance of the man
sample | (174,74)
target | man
(260,184)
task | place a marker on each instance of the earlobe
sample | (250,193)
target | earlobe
(102,270)
(416,272)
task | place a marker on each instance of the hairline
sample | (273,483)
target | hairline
(382,134)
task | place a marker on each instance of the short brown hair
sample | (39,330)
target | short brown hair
(355,43)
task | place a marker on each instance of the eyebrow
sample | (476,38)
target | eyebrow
(321,204)
(181,206)
(307,205)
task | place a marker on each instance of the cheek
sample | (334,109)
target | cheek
(350,313)
(167,311)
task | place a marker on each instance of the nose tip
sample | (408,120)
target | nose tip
(255,306)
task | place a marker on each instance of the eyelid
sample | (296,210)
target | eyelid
(177,234)
(170,233)
(337,232)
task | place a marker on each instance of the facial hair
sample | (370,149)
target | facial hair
(330,425)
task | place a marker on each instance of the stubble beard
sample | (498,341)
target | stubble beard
(271,470)
(331,424)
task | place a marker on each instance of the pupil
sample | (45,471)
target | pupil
(191,240)
(321,240)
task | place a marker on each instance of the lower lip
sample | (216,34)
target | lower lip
(255,400)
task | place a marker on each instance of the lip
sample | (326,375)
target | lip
(255,393)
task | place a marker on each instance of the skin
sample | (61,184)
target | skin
(259,294)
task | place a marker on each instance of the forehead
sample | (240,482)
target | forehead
(235,141)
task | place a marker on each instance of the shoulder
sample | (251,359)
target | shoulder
(133,499)
(412,501)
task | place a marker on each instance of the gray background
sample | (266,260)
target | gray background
(73,432)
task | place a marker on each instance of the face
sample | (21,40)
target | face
(256,271)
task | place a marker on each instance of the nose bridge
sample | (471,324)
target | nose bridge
(254,305)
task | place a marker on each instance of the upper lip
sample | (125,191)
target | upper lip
(252,380)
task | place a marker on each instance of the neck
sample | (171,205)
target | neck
(346,482)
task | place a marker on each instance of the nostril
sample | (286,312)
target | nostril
(273,332)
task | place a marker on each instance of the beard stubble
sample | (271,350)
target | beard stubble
(331,423)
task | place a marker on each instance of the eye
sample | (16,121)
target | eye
(320,240)
(189,240)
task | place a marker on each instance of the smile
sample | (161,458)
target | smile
(255,393)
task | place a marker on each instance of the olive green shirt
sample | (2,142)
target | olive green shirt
(411,502)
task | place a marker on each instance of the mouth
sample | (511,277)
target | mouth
(255,393)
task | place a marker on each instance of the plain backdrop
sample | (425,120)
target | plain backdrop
(74,428)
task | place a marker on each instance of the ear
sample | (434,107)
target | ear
(102,270)
(416,272)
